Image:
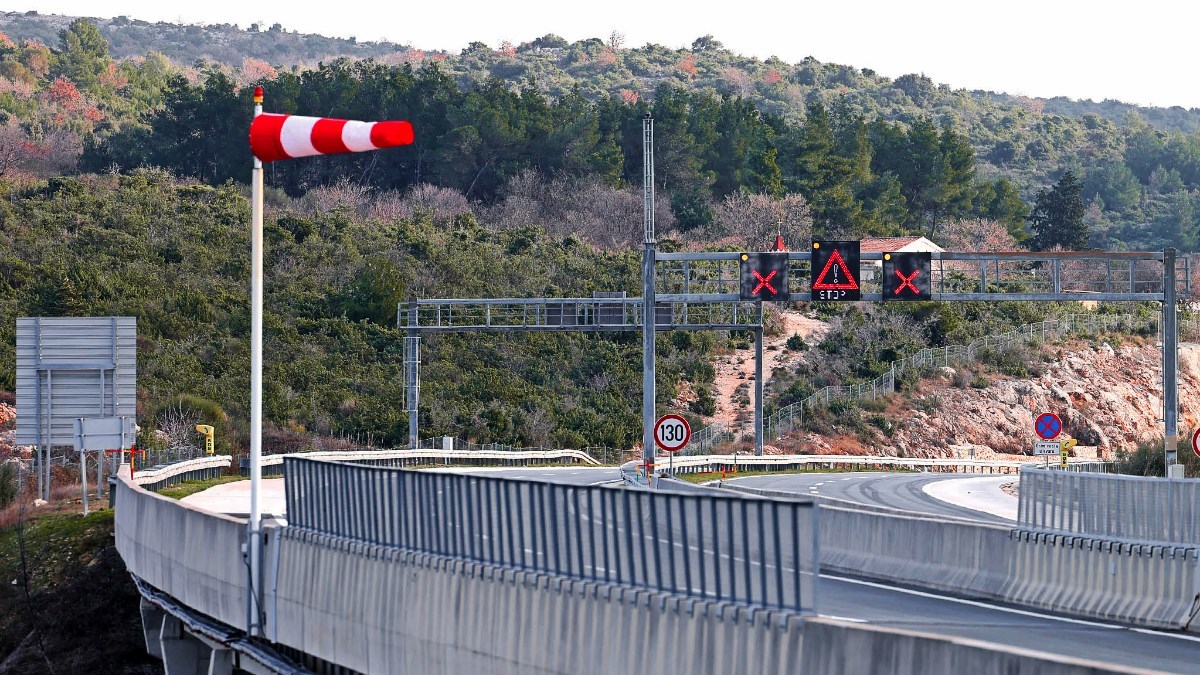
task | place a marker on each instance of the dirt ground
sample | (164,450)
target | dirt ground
(736,368)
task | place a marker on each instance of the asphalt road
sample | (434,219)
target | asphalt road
(902,491)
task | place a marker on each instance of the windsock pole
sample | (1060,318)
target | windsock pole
(254,534)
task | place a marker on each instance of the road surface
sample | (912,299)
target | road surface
(903,491)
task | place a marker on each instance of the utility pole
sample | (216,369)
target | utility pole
(254,523)
(1170,363)
(648,318)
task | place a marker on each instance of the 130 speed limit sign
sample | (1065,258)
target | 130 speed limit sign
(672,433)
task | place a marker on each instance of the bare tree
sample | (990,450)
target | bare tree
(977,234)
(176,428)
(14,145)
(753,221)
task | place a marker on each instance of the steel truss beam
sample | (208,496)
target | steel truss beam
(572,314)
(699,291)
(956,276)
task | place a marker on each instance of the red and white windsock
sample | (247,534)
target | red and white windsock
(275,136)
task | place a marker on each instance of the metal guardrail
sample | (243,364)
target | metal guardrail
(157,477)
(735,463)
(274,465)
(735,549)
(791,416)
(1132,508)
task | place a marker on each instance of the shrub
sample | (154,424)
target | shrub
(8,483)
(796,343)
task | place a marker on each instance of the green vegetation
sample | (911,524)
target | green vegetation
(191,487)
(1147,459)
(54,545)
(870,155)
(67,604)
(175,255)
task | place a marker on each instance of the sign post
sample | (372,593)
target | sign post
(672,433)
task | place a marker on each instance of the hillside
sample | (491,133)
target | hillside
(187,44)
(1103,387)
(729,124)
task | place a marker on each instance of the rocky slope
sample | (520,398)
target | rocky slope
(1108,397)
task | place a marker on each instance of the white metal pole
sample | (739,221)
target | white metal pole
(254,542)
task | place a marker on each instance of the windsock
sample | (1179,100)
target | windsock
(275,136)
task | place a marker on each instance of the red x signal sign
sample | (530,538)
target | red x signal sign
(906,276)
(764,276)
(907,281)
(765,281)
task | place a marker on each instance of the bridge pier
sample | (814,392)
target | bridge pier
(181,652)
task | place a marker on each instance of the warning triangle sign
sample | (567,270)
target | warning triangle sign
(847,282)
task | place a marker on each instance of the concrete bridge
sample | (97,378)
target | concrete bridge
(384,570)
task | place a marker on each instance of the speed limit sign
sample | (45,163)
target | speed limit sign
(672,433)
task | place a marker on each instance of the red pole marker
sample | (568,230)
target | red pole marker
(274,137)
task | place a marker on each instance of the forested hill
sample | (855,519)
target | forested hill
(869,155)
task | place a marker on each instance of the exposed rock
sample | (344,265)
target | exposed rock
(1107,398)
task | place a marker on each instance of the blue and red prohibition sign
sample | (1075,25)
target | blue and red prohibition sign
(1048,426)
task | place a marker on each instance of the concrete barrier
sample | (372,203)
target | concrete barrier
(936,553)
(402,612)
(1139,584)
(157,477)
(190,554)
(273,464)
(716,463)
(841,648)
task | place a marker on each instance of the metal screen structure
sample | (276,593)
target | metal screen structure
(68,368)
(1138,508)
(742,550)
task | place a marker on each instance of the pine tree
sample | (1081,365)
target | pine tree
(1057,218)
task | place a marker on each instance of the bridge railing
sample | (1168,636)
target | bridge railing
(710,546)
(1108,505)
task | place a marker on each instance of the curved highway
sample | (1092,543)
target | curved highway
(902,491)
(884,604)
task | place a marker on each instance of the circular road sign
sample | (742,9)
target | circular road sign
(672,433)
(1196,442)
(1048,426)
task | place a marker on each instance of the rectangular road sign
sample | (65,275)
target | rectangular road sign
(1046,447)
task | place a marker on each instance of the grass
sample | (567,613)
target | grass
(55,545)
(191,487)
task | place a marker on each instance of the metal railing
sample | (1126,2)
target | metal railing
(1134,508)
(602,453)
(791,416)
(742,550)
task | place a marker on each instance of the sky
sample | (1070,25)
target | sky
(1139,51)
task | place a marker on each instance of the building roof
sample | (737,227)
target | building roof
(885,244)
